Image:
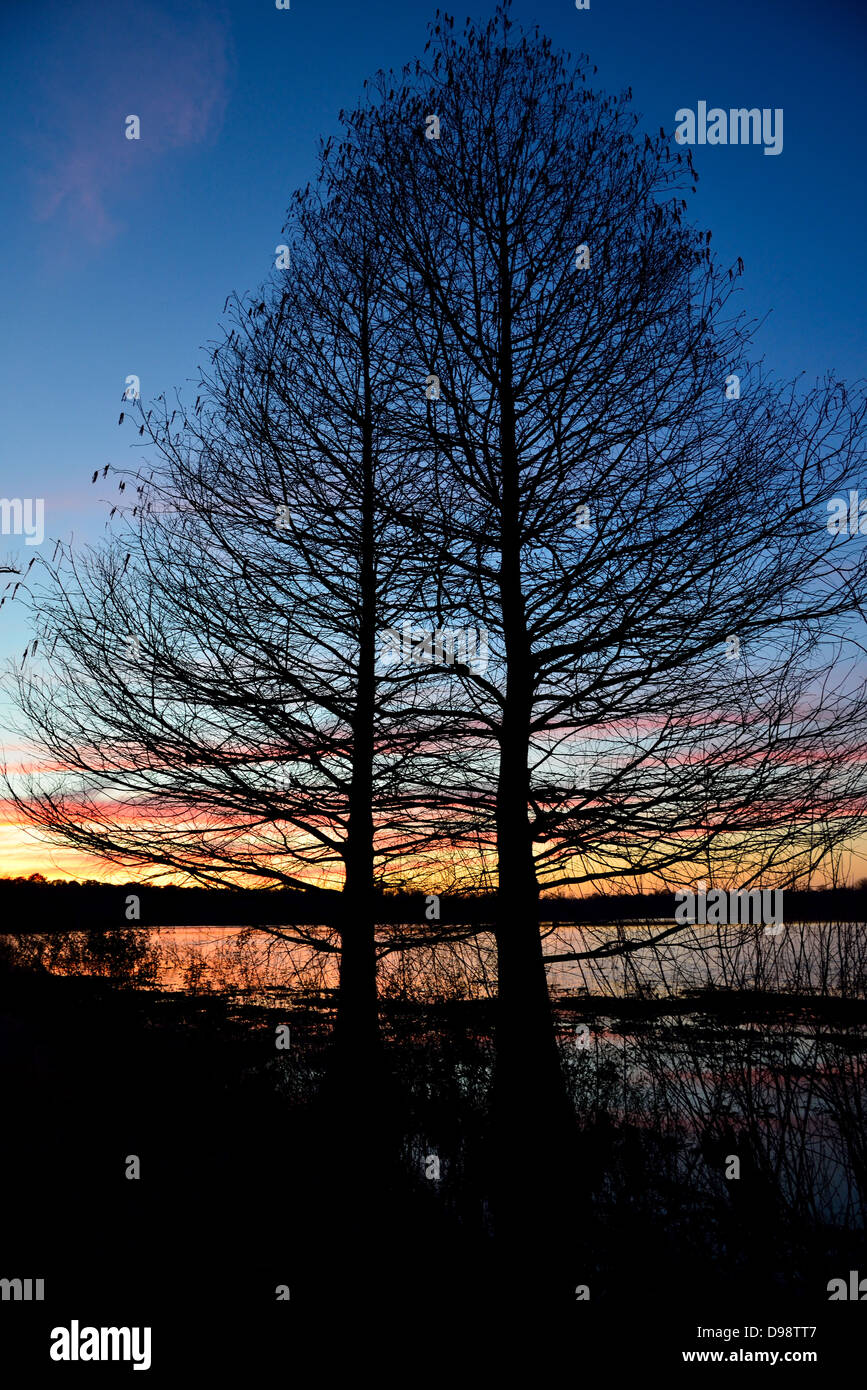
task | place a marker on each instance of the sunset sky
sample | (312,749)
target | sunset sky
(117,255)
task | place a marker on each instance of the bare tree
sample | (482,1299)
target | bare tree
(212,691)
(635,514)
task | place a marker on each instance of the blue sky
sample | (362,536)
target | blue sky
(117,255)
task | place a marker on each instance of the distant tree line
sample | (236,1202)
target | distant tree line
(38,904)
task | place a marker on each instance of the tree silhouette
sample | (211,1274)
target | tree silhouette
(214,695)
(504,386)
(624,503)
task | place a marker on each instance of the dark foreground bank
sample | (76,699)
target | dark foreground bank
(258,1217)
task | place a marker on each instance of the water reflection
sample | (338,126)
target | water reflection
(720,1044)
(817,959)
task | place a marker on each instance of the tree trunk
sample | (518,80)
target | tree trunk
(356,1030)
(530,1090)
(357,1040)
(532,1114)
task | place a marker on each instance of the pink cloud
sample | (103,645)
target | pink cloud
(169,69)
